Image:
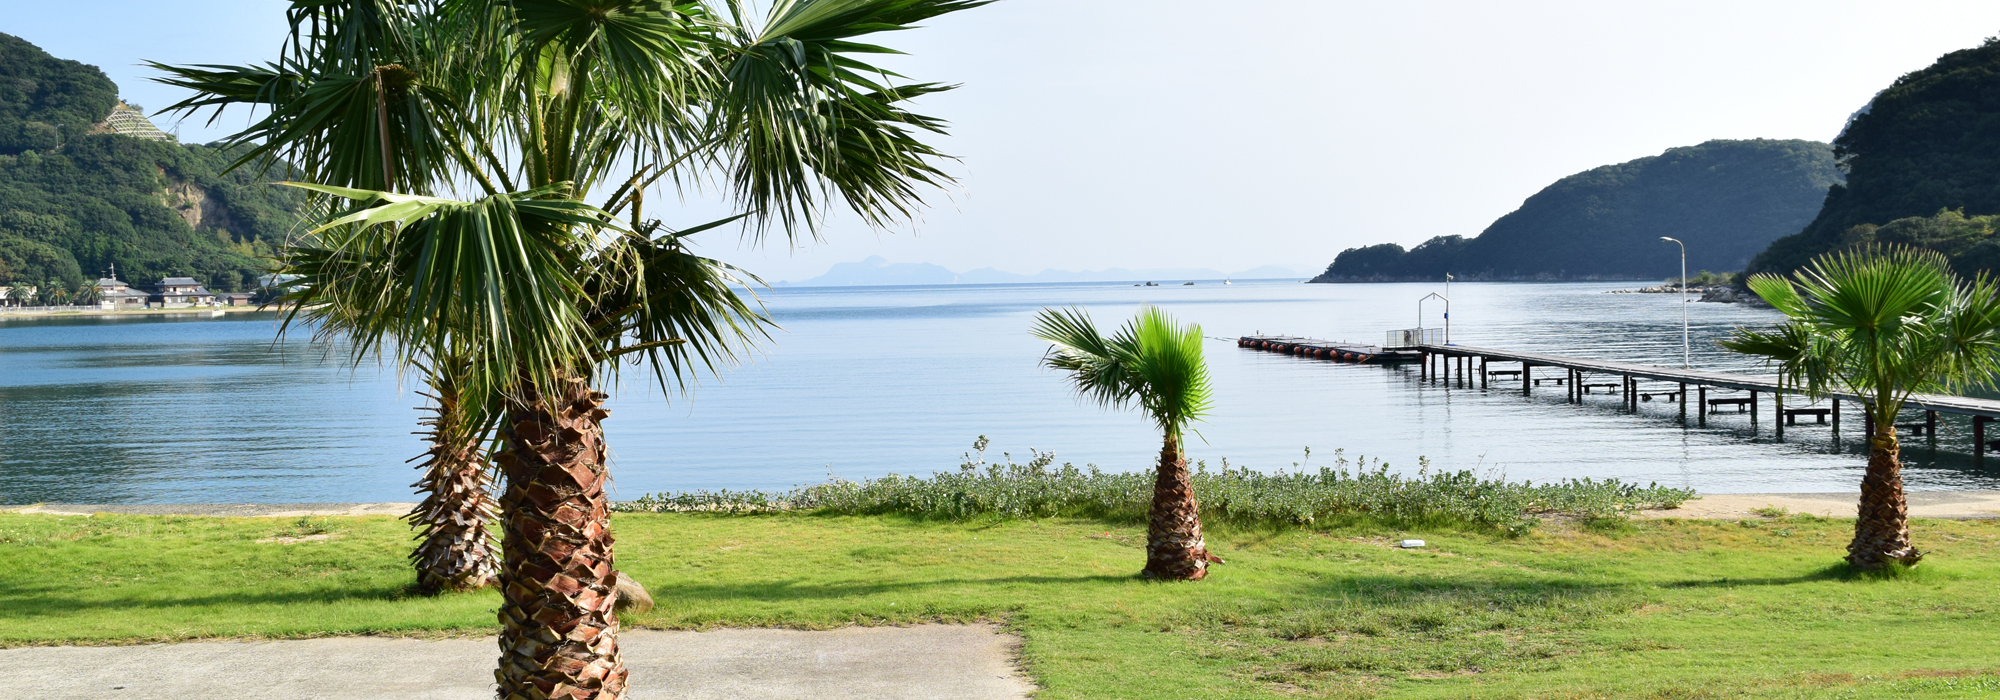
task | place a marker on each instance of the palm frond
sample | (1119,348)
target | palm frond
(805,119)
(1170,368)
(492,281)
(681,312)
(1882,322)
(1099,367)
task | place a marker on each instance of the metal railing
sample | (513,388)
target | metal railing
(1414,336)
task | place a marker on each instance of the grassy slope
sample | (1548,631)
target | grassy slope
(1649,609)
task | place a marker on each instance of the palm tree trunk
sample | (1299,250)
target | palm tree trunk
(1174,547)
(457,551)
(1882,530)
(559,636)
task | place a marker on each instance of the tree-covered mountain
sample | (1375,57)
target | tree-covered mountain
(76,199)
(1726,199)
(1930,142)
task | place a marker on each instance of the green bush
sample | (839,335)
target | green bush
(1362,490)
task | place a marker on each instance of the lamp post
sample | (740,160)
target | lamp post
(1687,351)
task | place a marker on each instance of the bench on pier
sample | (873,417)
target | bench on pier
(1792,414)
(1609,387)
(1503,373)
(1669,395)
(1918,428)
(1740,404)
(1558,380)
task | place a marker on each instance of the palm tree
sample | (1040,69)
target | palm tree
(1158,365)
(1880,323)
(534,105)
(456,551)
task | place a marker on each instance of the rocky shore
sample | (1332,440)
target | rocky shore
(1717,294)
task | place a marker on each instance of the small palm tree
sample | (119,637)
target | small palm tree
(1881,323)
(1158,365)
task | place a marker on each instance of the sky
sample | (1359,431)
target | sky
(1169,133)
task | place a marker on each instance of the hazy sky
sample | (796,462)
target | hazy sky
(1167,133)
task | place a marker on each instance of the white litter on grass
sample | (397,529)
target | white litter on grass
(1411,544)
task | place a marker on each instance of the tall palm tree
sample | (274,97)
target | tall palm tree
(534,105)
(1156,364)
(1880,323)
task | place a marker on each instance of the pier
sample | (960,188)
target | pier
(1482,368)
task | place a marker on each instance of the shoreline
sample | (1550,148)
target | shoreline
(1945,505)
(100,313)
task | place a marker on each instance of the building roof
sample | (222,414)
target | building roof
(109,282)
(180,281)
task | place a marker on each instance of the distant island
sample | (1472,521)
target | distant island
(877,271)
(1726,199)
(87,182)
(1923,169)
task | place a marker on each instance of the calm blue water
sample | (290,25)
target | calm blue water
(867,381)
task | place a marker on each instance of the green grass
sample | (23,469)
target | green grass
(1614,609)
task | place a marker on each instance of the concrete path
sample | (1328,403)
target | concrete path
(968,662)
(1957,505)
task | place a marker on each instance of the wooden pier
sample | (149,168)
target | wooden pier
(1475,367)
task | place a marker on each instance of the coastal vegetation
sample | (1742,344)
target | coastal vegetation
(1881,322)
(1342,491)
(1923,145)
(76,199)
(533,294)
(1156,364)
(1726,199)
(1643,608)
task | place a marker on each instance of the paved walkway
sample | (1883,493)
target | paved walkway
(1957,505)
(956,662)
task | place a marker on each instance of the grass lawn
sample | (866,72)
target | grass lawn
(1662,609)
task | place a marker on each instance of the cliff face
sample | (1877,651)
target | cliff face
(1929,142)
(1726,199)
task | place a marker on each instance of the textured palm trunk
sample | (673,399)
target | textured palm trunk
(1882,530)
(1174,547)
(559,636)
(457,551)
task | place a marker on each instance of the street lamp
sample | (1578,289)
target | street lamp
(1686,347)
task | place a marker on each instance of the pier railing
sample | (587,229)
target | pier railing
(1412,337)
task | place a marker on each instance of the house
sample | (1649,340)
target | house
(180,293)
(113,295)
(233,298)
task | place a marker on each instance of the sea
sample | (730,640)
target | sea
(860,382)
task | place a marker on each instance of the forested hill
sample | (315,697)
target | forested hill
(76,199)
(1929,142)
(1726,199)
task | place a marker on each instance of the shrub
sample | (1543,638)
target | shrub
(1362,490)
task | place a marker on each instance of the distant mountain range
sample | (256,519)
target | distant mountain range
(877,271)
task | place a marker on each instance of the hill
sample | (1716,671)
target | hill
(1929,142)
(1726,199)
(77,196)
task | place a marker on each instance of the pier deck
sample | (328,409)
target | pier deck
(1469,366)
(1986,408)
